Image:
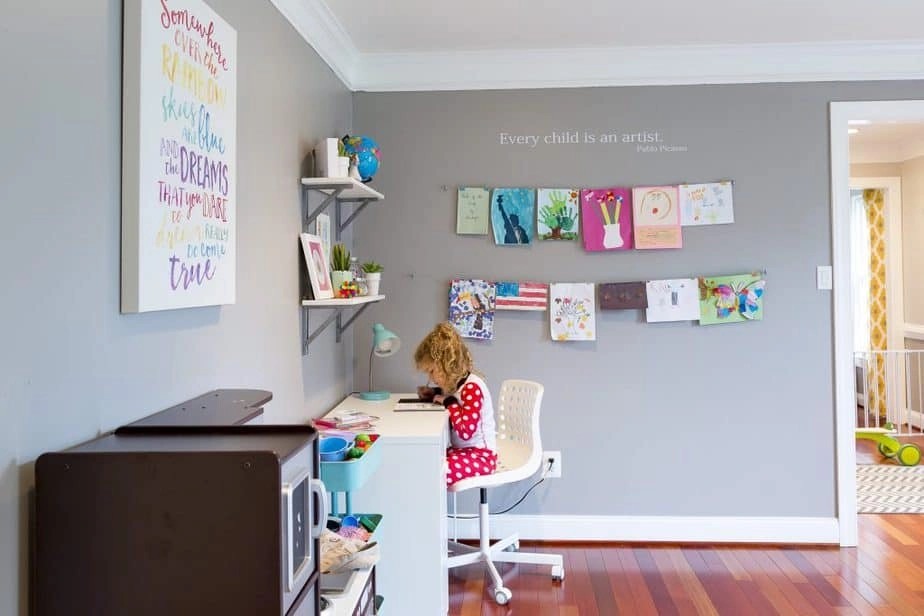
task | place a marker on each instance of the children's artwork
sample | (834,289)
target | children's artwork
(472,205)
(572,311)
(558,213)
(731,299)
(672,300)
(706,204)
(318,272)
(622,295)
(513,211)
(522,295)
(657,217)
(606,219)
(471,308)
(322,230)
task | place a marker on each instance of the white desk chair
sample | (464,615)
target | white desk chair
(519,455)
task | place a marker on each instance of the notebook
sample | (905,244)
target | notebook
(415,404)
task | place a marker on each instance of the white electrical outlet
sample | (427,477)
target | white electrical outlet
(555,470)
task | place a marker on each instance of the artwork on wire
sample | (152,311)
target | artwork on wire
(513,211)
(522,295)
(472,210)
(572,311)
(322,230)
(731,299)
(318,270)
(471,308)
(672,300)
(706,204)
(622,295)
(656,215)
(558,213)
(606,218)
(179,96)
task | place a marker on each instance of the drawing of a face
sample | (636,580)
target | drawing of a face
(656,205)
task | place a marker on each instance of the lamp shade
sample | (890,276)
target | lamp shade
(384,343)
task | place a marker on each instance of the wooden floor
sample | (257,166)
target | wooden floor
(884,575)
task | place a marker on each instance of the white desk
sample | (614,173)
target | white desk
(409,490)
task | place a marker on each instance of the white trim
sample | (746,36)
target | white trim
(613,66)
(315,22)
(698,529)
(622,66)
(844,386)
(915,331)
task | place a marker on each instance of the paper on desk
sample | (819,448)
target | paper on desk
(418,406)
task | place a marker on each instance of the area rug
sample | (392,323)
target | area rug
(886,488)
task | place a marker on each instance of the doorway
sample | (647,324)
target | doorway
(843,117)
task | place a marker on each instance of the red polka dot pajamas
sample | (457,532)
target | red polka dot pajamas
(472,437)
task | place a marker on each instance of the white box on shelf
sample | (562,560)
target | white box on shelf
(326,156)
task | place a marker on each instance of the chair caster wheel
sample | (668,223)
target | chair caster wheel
(558,573)
(502,595)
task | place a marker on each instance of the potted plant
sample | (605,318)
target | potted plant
(373,276)
(340,266)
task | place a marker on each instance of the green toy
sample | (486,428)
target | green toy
(907,454)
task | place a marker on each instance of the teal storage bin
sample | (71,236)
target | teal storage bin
(348,475)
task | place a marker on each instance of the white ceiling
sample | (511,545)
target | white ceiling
(471,25)
(481,44)
(887,142)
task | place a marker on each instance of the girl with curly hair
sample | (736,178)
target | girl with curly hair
(473,446)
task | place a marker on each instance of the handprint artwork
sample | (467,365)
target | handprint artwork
(558,213)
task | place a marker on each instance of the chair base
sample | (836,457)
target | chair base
(489,554)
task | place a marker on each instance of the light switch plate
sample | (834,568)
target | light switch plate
(824,278)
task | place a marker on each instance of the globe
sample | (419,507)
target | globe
(368,155)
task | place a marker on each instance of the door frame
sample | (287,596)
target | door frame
(844,386)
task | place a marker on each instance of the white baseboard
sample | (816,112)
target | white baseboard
(779,530)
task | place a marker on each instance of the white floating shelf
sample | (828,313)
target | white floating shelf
(342,302)
(351,189)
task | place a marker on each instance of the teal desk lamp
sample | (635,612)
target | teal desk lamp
(384,343)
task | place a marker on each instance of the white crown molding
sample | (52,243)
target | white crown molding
(701,64)
(615,66)
(674,529)
(313,20)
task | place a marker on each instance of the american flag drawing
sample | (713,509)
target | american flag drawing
(522,296)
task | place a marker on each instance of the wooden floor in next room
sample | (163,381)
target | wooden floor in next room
(884,575)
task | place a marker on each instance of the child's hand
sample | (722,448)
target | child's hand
(438,399)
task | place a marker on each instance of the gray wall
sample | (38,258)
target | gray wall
(661,419)
(72,366)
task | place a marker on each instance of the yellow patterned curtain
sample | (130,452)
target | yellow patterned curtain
(878,341)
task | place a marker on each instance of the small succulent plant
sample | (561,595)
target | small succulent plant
(339,258)
(371,267)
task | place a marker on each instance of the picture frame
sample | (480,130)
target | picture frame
(318,270)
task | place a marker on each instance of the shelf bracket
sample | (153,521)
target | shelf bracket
(342,328)
(317,332)
(311,216)
(336,314)
(359,208)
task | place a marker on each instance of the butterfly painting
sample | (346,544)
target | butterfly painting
(731,299)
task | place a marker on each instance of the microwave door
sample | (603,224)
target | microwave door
(297,497)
